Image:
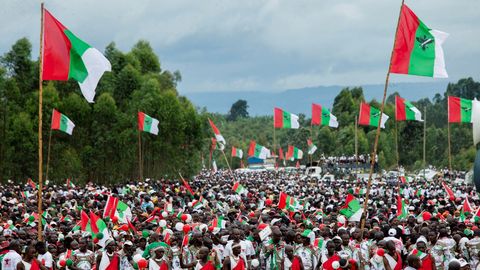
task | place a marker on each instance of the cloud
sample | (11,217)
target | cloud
(257,45)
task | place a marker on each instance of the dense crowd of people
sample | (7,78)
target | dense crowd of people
(241,221)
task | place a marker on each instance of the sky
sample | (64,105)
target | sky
(258,45)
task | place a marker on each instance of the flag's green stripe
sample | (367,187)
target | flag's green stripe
(77,71)
(121,206)
(258,150)
(422,59)
(63,123)
(295,152)
(147,123)
(466,110)
(374,116)
(410,114)
(287,120)
(325,117)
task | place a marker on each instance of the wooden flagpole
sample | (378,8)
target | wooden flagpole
(424,137)
(40,123)
(229,168)
(48,153)
(356,144)
(449,149)
(377,135)
(396,144)
(140,173)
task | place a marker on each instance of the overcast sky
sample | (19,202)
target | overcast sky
(231,45)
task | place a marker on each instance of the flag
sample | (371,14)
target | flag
(404,110)
(476,218)
(84,221)
(98,226)
(219,223)
(311,147)
(321,116)
(69,183)
(239,189)
(294,153)
(115,207)
(418,49)
(31,183)
(318,243)
(451,195)
(237,152)
(283,119)
(61,122)
(65,56)
(258,151)
(187,187)
(147,123)
(459,110)
(476,121)
(370,116)
(402,210)
(467,208)
(419,254)
(352,209)
(221,141)
(280,154)
(287,202)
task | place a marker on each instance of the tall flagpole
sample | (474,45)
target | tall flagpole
(40,139)
(140,173)
(396,143)
(356,144)
(424,136)
(48,153)
(449,149)
(377,135)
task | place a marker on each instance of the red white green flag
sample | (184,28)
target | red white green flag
(467,208)
(294,153)
(187,187)
(283,119)
(418,49)
(237,152)
(352,209)
(69,183)
(147,123)
(459,110)
(404,110)
(451,195)
(61,122)
(402,208)
(258,151)
(65,56)
(321,116)
(219,222)
(287,202)
(370,116)
(239,189)
(221,141)
(311,147)
(476,218)
(117,208)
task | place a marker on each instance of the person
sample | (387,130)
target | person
(29,261)
(414,262)
(290,260)
(331,257)
(273,251)
(234,261)
(202,262)
(83,258)
(158,259)
(305,251)
(392,259)
(427,260)
(109,258)
(45,257)
(12,258)
(126,256)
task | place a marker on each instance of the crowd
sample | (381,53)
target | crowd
(235,222)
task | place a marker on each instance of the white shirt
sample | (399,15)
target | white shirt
(46,259)
(10,261)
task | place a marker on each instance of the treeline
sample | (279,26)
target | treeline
(341,141)
(103,147)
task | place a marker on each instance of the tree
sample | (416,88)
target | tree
(238,110)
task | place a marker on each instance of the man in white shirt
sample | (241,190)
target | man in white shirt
(45,257)
(12,258)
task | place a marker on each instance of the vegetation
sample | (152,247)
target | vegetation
(103,147)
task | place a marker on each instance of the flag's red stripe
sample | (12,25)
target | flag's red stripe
(141,120)
(251,149)
(454,110)
(404,41)
(282,201)
(93,222)
(56,49)
(400,113)
(215,129)
(316,114)
(278,118)
(56,117)
(364,117)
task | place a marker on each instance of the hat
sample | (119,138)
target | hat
(4,245)
(128,243)
(392,232)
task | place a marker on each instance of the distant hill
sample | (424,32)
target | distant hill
(300,100)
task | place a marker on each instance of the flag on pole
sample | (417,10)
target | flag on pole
(221,141)
(117,208)
(61,122)
(31,183)
(147,123)
(69,183)
(459,110)
(287,202)
(321,116)
(311,147)
(98,227)
(187,187)
(239,189)
(404,110)
(237,152)
(352,209)
(258,151)
(418,49)
(294,153)
(283,119)
(65,56)
(451,195)
(370,116)
(402,208)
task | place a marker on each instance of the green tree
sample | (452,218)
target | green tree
(238,110)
